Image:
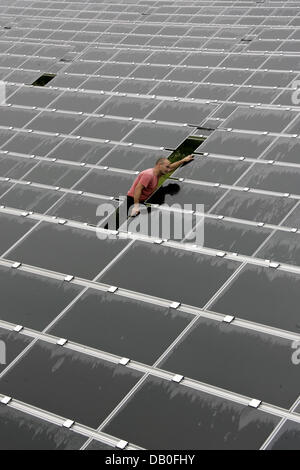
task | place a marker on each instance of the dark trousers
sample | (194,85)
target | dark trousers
(130,202)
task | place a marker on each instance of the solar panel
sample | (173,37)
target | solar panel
(162,341)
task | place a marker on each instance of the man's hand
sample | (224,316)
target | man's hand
(187,159)
(175,165)
(135,210)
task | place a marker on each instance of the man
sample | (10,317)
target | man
(147,181)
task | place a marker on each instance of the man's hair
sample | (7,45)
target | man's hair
(160,160)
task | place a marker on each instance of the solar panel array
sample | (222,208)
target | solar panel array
(139,342)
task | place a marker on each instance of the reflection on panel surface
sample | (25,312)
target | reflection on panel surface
(133,158)
(255,207)
(234,237)
(103,128)
(30,198)
(189,113)
(283,247)
(215,170)
(125,327)
(55,174)
(38,301)
(11,345)
(186,193)
(32,143)
(97,445)
(80,151)
(128,106)
(287,438)
(15,167)
(259,119)
(48,375)
(284,149)
(161,135)
(262,368)
(236,143)
(178,417)
(12,229)
(21,431)
(279,179)
(107,183)
(67,250)
(55,122)
(84,209)
(264,296)
(203,274)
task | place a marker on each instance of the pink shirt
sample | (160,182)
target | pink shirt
(149,180)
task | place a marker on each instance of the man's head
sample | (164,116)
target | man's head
(163,166)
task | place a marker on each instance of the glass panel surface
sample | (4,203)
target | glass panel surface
(134,86)
(283,247)
(67,250)
(133,158)
(31,300)
(264,296)
(283,63)
(187,193)
(55,174)
(234,237)
(295,127)
(15,167)
(82,209)
(116,70)
(284,149)
(12,229)
(32,144)
(102,128)
(121,326)
(259,119)
(238,359)
(287,438)
(166,57)
(97,445)
(74,101)
(271,178)
(203,59)
(21,431)
(80,151)
(255,207)
(228,76)
(187,74)
(162,135)
(11,345)
(216,170)
(294,219)
(107,183)
(269,79)
(182,112)
(166,263)
(55,122)
(236,144)
(179,90)
(15,117)
(131,107)
(243,61)
(213,92)
(209,422)
(49,375)
(33,97)
(255,95)
(151,71)
(30,198)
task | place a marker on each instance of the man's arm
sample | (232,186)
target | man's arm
(137,196)
(175,165)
